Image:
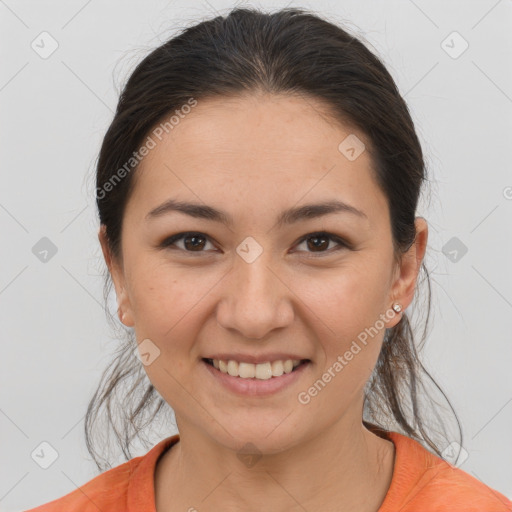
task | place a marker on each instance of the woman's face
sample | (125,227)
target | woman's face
(252,286)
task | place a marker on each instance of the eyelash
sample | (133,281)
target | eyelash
(170,241)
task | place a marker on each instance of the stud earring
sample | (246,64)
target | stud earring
(397,307)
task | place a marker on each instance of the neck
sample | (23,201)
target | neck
(346,467)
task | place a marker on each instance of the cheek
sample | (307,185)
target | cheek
(348,305)
(348,297)
(165,301)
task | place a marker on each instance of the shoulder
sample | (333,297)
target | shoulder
(424,482)
(461,491)
(127,487)
(105,492)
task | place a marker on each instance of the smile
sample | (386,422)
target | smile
(235,376)
(261,371)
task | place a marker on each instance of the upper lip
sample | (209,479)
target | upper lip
(255,359)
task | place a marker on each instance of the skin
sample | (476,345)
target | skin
(254,156)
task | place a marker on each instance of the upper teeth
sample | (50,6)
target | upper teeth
(261,371)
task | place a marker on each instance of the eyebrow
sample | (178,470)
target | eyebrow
(289,216)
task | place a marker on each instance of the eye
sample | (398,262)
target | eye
(320,242)
(192,241)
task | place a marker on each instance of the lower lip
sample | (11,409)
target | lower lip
(256,387)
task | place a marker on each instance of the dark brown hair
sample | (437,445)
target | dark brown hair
(291,51)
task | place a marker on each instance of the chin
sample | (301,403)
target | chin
(269,437)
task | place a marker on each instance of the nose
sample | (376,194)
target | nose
(256,300)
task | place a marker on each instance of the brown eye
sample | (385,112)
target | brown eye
(192,242)
(319,242)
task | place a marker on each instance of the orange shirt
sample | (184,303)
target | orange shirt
(421,482)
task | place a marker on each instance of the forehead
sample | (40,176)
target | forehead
(261,149)
(269,126)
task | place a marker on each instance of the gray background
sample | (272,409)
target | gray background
(55,338)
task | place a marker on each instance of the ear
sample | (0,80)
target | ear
(405,283)
(124,310)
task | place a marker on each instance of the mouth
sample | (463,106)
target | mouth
(261,371)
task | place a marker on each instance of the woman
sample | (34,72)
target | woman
(257,192)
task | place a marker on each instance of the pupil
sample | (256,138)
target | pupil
(194,244)
(316,238)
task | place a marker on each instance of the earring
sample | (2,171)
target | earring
(397,307)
